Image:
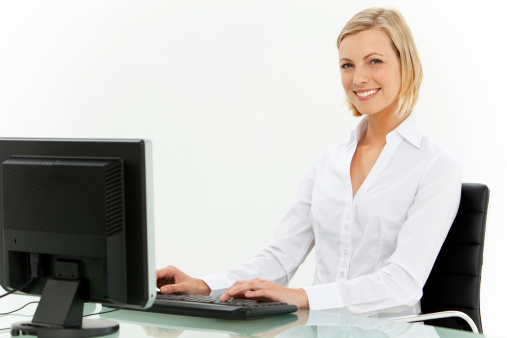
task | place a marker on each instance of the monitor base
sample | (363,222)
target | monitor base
(60,313)
(89,328)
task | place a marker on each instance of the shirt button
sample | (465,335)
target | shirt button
(345,252)
(347,217)
(346,227)
(342,274)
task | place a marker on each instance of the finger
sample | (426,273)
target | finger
(159,273)
(227,295)
(264,294)
(165,281)
(174,288)
(239,288)
(169,275)
(167,272)
(236,284)
(254,284)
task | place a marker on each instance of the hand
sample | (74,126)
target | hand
(261,289)
(173,280)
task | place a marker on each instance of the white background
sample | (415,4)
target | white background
(238,98)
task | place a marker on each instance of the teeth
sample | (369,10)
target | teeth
(368,93)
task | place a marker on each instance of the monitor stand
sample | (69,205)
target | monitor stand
(60,314)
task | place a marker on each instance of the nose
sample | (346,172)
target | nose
(360,76)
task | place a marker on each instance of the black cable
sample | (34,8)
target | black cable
(91,314)
(18,288)
(8,313)
(99,313)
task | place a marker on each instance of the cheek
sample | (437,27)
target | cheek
(389,80)
(346,80)
(381,76)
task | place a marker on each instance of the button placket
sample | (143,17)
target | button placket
(345,235)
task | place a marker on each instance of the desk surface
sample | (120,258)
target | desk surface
(300,324)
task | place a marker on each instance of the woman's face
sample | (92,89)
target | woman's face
(371,71)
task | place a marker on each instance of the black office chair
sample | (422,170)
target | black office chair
(451,295)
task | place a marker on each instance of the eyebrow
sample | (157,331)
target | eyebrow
(367,56)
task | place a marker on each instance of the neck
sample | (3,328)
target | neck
(379,125)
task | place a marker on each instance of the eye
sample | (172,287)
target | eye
(346,65)
(376,61)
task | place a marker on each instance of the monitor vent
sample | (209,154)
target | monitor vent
(63,195)
(113,177)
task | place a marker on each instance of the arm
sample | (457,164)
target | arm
(279,261)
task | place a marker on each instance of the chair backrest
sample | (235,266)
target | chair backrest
(455,280)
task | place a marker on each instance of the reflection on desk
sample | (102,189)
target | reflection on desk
(303,323)
(160,325)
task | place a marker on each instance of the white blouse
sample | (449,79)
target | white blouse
(374,250)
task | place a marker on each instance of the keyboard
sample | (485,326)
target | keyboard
(213,307)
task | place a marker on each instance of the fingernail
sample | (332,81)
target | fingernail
(163,289)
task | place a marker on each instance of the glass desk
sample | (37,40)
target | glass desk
(303,323)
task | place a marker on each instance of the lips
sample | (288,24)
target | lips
(366,94)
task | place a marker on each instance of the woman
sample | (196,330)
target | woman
(376,208)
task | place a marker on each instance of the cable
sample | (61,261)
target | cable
(18,288)
(99,313)
(36,302)
(7,313)
(34,266)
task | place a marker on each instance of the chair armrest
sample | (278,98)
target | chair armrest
(438,315)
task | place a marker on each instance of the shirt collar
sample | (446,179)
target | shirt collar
(410,130)
(357,133)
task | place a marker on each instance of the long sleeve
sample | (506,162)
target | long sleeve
(279,261)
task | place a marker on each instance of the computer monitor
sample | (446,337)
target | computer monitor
(76,225)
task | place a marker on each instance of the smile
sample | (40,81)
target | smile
(365,95)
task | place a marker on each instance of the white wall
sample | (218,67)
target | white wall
(238,98)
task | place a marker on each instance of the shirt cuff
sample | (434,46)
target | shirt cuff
(324,296)
(217,281)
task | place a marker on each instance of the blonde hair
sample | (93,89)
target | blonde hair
(392,22)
